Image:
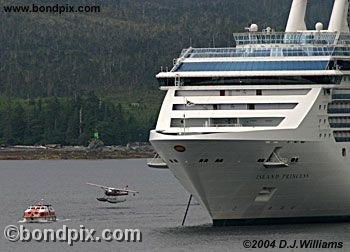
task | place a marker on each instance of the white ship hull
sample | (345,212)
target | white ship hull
(232,191)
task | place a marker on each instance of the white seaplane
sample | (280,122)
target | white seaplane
(114,195)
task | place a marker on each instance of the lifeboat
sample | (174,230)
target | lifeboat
(157,162)
(39,213)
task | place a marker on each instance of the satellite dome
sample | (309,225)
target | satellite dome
(319,26)
(253,28)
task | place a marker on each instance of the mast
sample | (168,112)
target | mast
(339,18)
(296,20)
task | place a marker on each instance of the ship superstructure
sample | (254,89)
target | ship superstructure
(261,131)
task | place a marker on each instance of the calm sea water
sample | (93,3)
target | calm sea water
(157,211)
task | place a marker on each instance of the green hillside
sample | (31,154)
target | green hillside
(123,46)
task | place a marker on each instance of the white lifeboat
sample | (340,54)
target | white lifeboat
(157,162)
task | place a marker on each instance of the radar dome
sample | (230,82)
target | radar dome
(319,26)
(253,28)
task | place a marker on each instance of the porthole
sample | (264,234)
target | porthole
(179,148)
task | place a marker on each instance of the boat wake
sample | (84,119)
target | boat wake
(44,221)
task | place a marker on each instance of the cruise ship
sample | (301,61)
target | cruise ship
(260,132)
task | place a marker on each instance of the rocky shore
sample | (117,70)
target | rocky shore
(74,152)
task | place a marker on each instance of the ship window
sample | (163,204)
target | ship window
(260,160)
(235,106)
(259,92)
(343,152)
(251,106)
(222,92)
(201,161)
(253,66)
(319,107)
(228,122)
(219,160)
(206,160)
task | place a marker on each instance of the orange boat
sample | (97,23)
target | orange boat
(39,213)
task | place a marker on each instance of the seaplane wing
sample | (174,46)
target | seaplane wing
(101,186)
(112,188)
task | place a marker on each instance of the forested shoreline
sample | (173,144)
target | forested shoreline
(68,121)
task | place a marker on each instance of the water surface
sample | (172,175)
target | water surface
(157,211)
